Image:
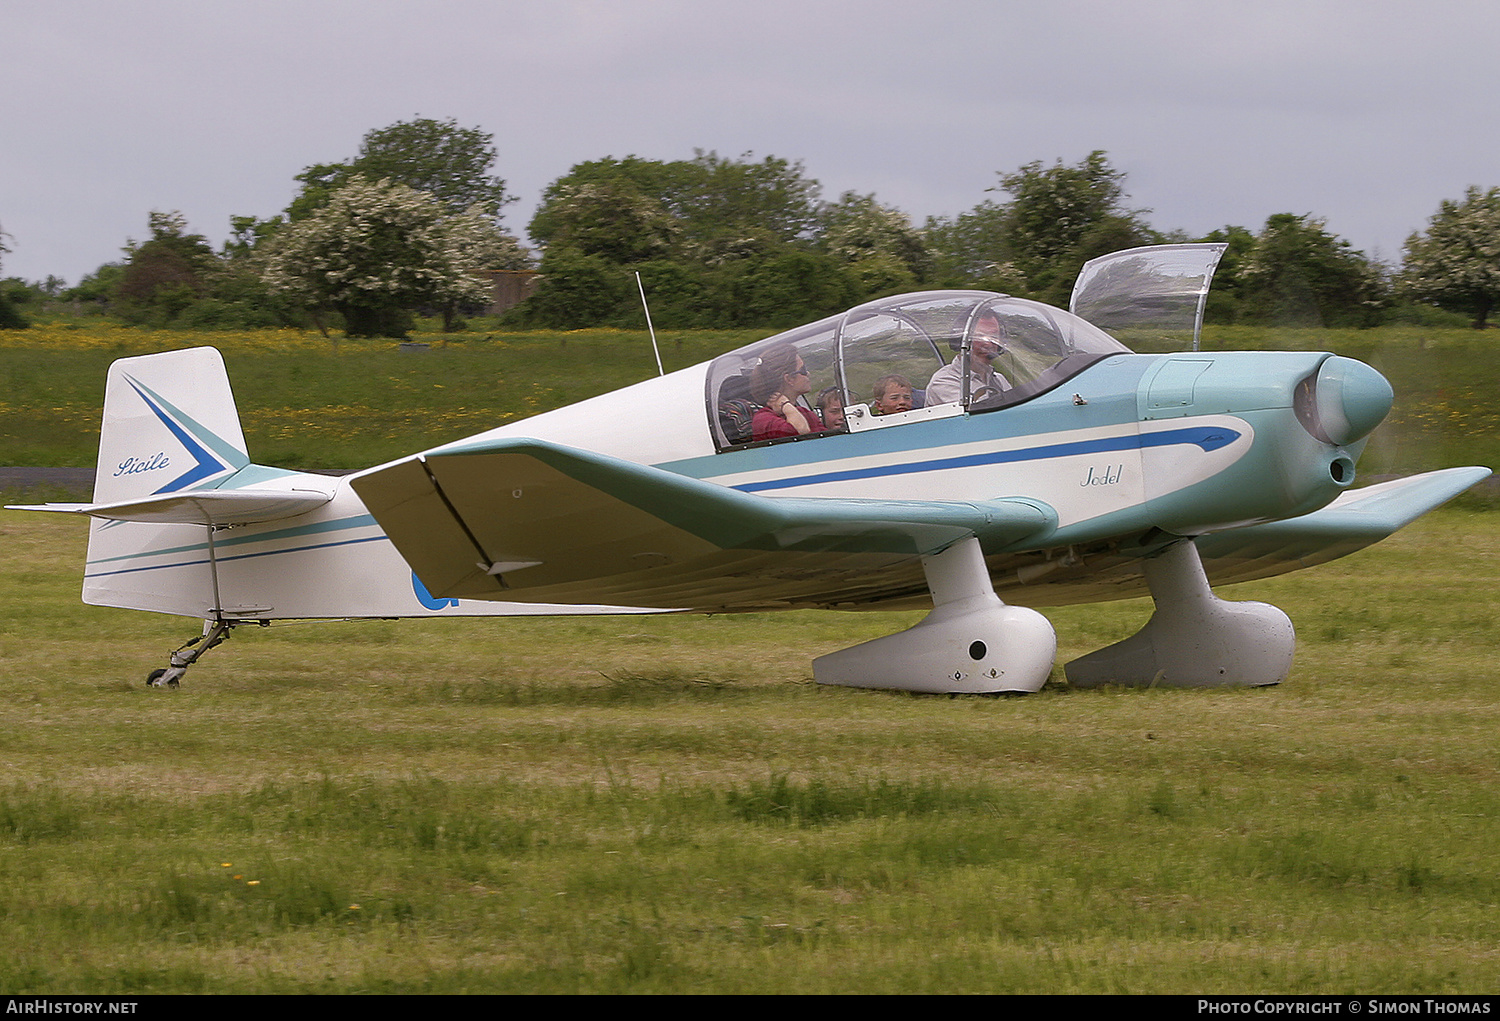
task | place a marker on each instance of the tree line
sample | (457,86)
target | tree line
(411,225)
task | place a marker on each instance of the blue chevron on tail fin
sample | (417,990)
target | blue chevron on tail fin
(170,425)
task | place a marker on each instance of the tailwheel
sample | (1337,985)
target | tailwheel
(214,632)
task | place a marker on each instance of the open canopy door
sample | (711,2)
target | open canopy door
(1154,292)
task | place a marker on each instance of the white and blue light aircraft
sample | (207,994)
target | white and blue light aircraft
(1039,462)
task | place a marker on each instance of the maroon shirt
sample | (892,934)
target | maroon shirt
(770,426)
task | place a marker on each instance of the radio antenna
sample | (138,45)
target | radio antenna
(659,370)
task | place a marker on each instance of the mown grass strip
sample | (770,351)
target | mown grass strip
(669,805)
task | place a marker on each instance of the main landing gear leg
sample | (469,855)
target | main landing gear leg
(214,632)
(970,642)
(1194,639)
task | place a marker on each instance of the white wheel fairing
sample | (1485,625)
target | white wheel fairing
(971,642)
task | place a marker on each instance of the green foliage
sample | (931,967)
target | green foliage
(175,280)
(726,204)
(10,316)
(240,299)
(875,275)
(726,226)
(1455,264)
(972,246)
(718,208)
(1417,314)
(1298,274)
(355,241)
(450,163)
(888,254)
(246,233)
(682,295)
(639,185)
(778,289)
(576,288)
(1060,217)
(23,293)
(164,275)
(715,239)
(1226,297)
(789,288)
(97,288)
(610,219)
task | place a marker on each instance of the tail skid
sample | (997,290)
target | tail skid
(170,436)
(170,675)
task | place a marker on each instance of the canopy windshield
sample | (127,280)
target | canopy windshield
(1151,293)
(899,360)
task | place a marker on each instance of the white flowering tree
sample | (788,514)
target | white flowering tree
(377,250)
(1456,264)
(858,226)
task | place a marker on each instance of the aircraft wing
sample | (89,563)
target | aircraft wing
(199,507)
(1358,518)
(528,520)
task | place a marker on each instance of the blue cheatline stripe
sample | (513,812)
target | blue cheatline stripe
(1206,437)
(242,556)
(337,525)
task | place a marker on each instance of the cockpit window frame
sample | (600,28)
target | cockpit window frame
(841,344)
(1075,345)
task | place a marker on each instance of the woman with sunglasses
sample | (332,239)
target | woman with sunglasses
(776,384)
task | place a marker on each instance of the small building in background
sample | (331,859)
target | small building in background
(512,286)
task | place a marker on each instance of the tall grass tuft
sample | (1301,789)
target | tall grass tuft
(781,800)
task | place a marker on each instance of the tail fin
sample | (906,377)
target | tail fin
(173,471)
(169,424)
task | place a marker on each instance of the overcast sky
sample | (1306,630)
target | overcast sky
(1364,112)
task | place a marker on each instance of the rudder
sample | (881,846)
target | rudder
(169,424)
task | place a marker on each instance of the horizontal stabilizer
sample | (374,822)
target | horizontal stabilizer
(1358,518)
(492,520)
(201,507)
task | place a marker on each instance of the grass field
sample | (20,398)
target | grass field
(308,403)
(670,805)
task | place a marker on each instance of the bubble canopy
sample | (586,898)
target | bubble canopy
(1014,349)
